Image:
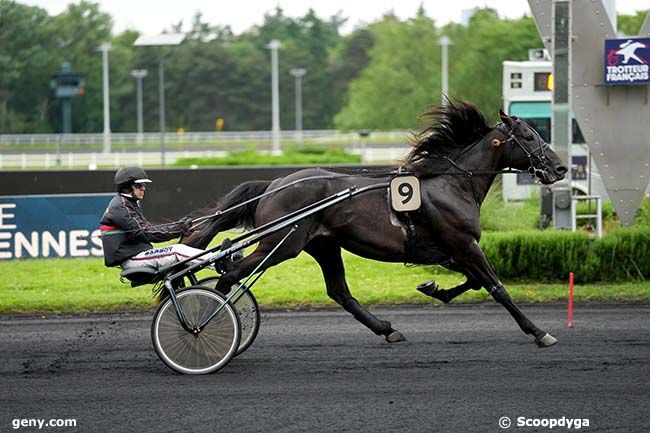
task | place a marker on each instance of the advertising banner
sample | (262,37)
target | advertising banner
(65,225)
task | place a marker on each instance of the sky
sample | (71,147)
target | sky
(153,16)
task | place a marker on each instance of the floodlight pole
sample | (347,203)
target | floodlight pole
(444,42)
(139,74)
(298,73)
(166,39)
(105,48)
(161,107)
(275,95)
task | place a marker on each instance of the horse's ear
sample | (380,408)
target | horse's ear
(506,119)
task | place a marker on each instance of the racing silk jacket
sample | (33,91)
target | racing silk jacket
(124,214)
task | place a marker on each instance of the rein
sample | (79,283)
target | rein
(461,172)
(202,219)
(510,137)
(267,193)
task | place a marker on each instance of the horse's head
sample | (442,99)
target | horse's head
(528,151)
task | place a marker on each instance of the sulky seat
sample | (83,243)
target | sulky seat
(140,275)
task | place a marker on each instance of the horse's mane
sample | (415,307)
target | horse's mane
(451,128)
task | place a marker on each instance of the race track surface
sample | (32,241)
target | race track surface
(461,370)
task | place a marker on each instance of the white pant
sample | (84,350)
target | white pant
(160,257)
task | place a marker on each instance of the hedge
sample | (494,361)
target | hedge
(622,255)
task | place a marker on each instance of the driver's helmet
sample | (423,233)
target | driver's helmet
(127,176)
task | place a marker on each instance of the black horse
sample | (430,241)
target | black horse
(456,157)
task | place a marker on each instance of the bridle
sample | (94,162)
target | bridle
(538,153)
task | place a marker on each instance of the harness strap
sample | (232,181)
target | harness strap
(410,242)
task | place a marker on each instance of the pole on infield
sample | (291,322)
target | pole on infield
(570,319)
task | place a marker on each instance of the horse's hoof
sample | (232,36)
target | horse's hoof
(546,341)
(395,337)
(428,288)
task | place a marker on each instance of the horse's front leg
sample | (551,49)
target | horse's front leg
(475,263)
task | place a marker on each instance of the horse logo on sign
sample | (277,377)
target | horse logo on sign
(626,61)
(628,51)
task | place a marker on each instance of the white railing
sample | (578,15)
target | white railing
(27,151)
(19,142)
(93,160)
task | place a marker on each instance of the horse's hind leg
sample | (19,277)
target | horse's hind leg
(446,295)
(244,267)
(328,255)
(430,288)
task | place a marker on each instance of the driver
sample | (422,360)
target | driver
(127,235)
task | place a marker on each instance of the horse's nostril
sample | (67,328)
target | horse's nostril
(561,170)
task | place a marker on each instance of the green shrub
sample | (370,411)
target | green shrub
(535,255)
(622,255)
(643,214)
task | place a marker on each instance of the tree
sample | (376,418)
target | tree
(631,24)
(310,49)
(79,31)
(403,76)
(26,61)
(199,85)
(214,73)
(478,56)
(401,79)
(347,61)
(122,85)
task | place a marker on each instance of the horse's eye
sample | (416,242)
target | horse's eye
(528,136)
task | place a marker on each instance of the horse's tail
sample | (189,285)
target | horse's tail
(241,217)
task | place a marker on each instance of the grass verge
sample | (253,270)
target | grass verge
(291,156)
(82,285)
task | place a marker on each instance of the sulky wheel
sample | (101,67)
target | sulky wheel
(206,351)
(249,314)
